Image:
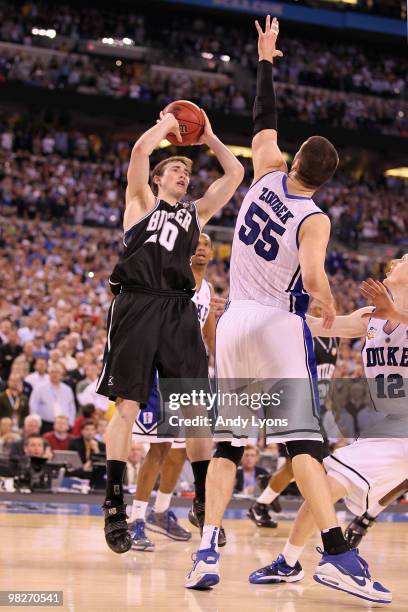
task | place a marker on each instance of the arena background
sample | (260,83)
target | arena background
(78,85)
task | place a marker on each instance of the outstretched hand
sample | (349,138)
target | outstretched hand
(267,40)
(376,293)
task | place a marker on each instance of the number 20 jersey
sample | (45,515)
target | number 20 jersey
(385,358)
(265,258)
(158,250)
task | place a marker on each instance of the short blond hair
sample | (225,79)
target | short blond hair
(159,168)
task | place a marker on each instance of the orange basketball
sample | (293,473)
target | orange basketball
(190,119)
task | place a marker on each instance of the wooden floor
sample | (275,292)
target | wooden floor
(68,553)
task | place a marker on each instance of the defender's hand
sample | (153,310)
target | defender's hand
(267,40)
(217,305)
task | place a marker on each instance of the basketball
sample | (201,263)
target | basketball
(191,122)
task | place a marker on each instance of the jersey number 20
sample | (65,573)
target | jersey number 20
(266,247)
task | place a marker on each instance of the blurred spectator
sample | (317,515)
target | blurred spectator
(248,472)
(34,446)
(134,462)
(86,445)
(7,435)
(40,373)
(8,352)
(88,413)
(53,398)
(101,428)
(13,403)
(89,394)
(59,438)
(32,425)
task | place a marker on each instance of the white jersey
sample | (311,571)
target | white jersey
(202,299)
(265,258)
(385,358)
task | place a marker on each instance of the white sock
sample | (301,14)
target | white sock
(162,502)
(209,539)
(292,553)
(138,510)
(267,496)
(375,510)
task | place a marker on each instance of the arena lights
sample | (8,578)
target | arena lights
(225,58)
(206,55)
(91,274)
(401,172)
(118,42)
(42,32)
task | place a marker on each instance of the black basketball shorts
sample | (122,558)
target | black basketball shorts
(149,331)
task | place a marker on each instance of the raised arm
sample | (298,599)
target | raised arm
(314,236)
(266,155)
(353,325)
(139,196)
(221,190)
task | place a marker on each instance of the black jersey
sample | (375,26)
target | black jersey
(326,352)
(158,249)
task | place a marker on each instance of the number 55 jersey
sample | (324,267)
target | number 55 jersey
(265,258)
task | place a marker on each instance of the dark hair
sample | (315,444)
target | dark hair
(160,167)
(87,410)
(31,437)
(86,423)
(317,162)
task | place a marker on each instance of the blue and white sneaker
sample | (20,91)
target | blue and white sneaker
(140,541)
(348,572)
(277,571)
(205,572)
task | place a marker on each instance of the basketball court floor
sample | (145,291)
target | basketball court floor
(47,547)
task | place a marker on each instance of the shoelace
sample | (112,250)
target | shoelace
(171,517)
(363,563)
(139,531)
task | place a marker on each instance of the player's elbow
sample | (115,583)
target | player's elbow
(238,173)
(311,282)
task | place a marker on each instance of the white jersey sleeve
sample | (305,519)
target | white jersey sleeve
(265,252)
(202,299)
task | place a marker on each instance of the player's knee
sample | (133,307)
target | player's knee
(314,448)
(127,409)
(225,450)
(158,452)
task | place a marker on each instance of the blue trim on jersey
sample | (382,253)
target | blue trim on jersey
(299,301)
(317,212)
(311,368)
(287,195)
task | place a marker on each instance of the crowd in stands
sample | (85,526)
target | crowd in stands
(53,309)
(64,175)
(303,103)
(307,78)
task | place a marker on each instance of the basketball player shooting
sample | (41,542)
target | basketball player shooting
(277,262)
(152,322)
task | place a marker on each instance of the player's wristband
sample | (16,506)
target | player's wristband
(264,110)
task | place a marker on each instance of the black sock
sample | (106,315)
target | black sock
(333,541)
(200,473)
(115,473)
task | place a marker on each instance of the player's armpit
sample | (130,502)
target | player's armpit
(353,325)
(266,155)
